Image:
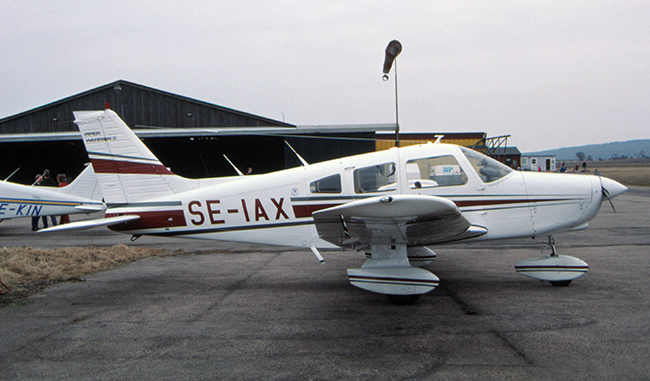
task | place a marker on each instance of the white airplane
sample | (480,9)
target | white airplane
(390,205)
(81,196)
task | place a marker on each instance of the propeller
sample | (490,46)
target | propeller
(604,190)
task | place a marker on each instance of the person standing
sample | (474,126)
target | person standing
(37,180)
(61,179)
(47,181)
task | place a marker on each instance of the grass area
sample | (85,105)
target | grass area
(626,172)
(628,175)
(26,270)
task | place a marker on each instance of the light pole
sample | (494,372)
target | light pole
(393,49)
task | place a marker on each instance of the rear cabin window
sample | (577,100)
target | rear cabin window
(376,178)
(441,171)
(329,184)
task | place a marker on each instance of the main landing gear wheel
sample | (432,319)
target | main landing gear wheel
(403,300)
(560,283)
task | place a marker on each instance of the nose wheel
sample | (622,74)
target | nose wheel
(559,270)
(551,245)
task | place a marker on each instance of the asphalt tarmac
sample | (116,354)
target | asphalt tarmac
(232,311)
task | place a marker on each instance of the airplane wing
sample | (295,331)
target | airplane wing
(89,224)
(413,220)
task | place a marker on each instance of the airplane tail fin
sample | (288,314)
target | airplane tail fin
(85,185)
(126,170)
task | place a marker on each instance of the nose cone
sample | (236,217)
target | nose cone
(613,188)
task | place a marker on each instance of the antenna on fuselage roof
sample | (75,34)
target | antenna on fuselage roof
(233,165)
(304,163)
(438,138)
(12,173)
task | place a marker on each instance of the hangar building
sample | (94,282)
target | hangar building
(188,135)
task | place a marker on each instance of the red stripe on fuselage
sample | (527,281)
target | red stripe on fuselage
(128,167)
(302,211)
(152,220)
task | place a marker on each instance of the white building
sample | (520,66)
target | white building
(538,163)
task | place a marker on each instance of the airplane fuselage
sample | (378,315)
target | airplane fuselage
(17,201)
(277,208)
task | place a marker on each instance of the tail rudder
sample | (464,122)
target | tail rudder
(127,171)
(85,185)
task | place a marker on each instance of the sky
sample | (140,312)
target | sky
(549,73)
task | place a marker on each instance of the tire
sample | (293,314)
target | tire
(560,283)
(403,300)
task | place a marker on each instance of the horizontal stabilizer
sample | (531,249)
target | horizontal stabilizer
(89,224)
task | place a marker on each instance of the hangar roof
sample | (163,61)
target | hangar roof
(138,105)
(507,151)
(153,113)
(199,132)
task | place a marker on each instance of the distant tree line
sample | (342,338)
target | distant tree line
(640,155)
(582,157)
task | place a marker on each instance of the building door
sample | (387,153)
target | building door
(548,165)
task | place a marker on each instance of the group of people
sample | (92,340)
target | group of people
(45,180)
(575,169)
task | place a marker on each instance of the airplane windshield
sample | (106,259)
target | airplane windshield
(488,169)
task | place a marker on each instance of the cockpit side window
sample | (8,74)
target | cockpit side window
(441,171)
(329,184)
(376,178)
(488,169)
